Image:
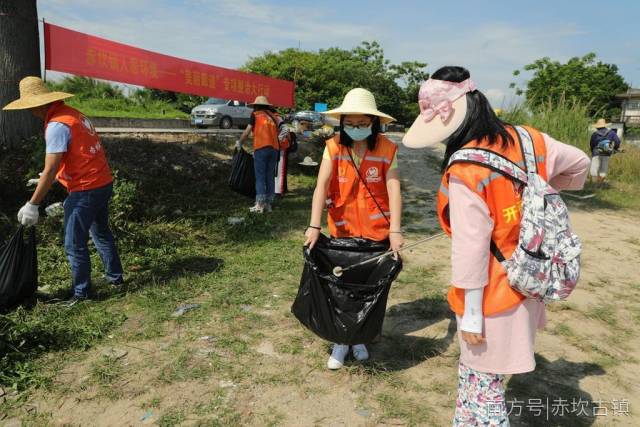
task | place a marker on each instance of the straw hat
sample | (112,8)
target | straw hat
(601,123)
(308,161)
(359,101)
(34,93)
(261,100)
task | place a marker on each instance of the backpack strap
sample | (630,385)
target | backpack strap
(503,166)
(528,150)
(491,160)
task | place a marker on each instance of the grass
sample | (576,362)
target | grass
(603,313)
(235,273)
(569,122)
(170,214)
(396,407)
(124,107)
(170,259)
(96,98)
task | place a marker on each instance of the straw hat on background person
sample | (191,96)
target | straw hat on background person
(359,101)
(308,161)
(261,100)
(35,93)
(601,123)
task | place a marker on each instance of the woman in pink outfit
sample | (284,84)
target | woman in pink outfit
(481,208)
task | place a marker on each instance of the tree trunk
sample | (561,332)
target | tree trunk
(19,58)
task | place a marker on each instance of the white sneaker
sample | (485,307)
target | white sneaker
(336,360)
(360,352)
(256,209)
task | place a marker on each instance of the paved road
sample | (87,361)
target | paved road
(420,173)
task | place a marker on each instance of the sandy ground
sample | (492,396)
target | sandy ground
(587,355)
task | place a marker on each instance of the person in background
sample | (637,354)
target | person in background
(604,142)
(264,124)
(286,139)
(76,158)
(359,183)
(480,209)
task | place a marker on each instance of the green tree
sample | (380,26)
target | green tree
(87,88)
(328,74)
(584,79)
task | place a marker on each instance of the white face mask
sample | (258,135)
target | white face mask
(358,133)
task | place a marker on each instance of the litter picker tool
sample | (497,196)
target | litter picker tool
(338,271)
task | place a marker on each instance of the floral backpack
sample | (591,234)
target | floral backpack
(546,262)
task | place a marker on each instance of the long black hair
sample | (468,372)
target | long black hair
(480,122)
(264,108)
(346,140)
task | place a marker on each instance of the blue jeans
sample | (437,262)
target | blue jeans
(264,161)
(87,213)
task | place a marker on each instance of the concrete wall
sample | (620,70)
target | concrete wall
(128,123)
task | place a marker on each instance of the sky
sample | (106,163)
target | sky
(490,38)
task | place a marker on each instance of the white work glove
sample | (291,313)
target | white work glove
(472,317)
(28,214)
(34,181)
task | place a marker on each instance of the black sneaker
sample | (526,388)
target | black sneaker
(118,283)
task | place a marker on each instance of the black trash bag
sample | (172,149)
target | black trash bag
(243,177)
(18,269)
(348,309)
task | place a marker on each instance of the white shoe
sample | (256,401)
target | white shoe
(360,352)
(256,209)
(336,360)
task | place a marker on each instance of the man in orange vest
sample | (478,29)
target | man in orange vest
(265,125)
(74,157)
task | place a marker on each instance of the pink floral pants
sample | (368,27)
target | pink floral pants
(481,399)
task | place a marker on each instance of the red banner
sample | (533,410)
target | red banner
(72,52)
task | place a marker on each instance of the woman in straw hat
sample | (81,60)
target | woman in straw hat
(604,142)
(265,125)
(359,183)
(74,157)
(480,210)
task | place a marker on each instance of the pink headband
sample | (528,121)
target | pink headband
(436,97)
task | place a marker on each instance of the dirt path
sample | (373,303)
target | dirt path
(208,372)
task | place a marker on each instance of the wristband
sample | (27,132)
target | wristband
(395,232)
(315,228)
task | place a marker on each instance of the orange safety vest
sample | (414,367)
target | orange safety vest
(504,202)
(84,166)
(352,210)
(265,130)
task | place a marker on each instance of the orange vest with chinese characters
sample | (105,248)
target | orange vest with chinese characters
(265,130)
(352,210)
(503,198)
(84,166)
